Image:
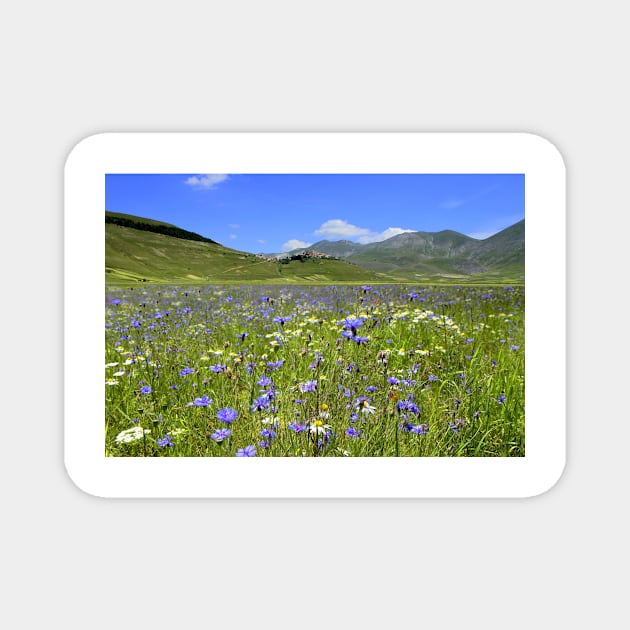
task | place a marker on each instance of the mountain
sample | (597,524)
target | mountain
(435,255)
(144,250)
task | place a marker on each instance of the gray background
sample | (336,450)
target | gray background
(71,69)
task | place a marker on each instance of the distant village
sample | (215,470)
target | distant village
(306,254)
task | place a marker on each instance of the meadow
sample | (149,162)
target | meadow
(315,371)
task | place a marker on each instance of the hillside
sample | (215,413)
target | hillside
(139,254)
(435,255)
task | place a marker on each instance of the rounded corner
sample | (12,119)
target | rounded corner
(85,145)
(548,148)
(79,483)
(549,483)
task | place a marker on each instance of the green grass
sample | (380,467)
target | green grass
(133,256)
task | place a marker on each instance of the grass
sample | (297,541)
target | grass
(134,256)
(330,370)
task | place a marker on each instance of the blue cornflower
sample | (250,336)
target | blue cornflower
(308,386)
(392,380)
(204,401)
(135,323)
(262,402)
(353,323)
(268,433)
(351,432)
(165,441)
(217,368)
(281,320)
(263,381)
(420,429)
(248,451)
(514,347)
(359,340)
(227,415)
(501,398)
(221,434)
(186,371)
(407,405)
(297,428)
(145,390)
(371,388)
(275,365)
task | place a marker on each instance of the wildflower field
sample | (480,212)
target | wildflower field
(325,371)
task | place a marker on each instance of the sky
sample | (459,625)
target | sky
(277,213)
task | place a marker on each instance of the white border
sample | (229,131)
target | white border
(532,155)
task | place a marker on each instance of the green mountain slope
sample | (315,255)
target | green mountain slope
(135,254)
(435,255)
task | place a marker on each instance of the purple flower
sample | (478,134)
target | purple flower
(248,451)
(501,398)
(145,390)
(392,380)
(281,320)
(420,429)
(352,323)
(217,368)
(221,434)
(407,405)
(262,402)
(351,432)
(308,386)
(297,428)
(514,347)
(186,371)
(263,381)
(227,415)
(268,433)
(165,441)
(204,401)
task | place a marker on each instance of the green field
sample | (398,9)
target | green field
(324,371)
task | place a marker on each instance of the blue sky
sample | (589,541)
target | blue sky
(274,213)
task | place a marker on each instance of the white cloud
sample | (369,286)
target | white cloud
(338,228)
(376,237)
(234,226)
(205,182)
(262,240)
(294,243)
(232,236)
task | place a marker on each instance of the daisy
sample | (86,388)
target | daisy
(319,428)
